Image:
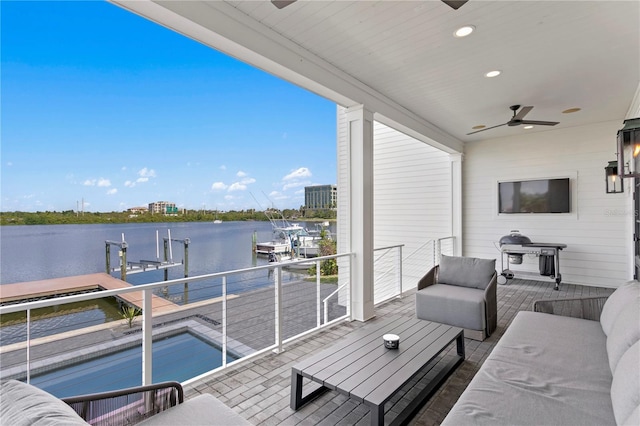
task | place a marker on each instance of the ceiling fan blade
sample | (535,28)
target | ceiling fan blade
(523,111)
(282,3)
(540,123)
(486,128)
(455,5)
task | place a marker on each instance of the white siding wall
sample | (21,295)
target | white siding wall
(596,232)
(412,195)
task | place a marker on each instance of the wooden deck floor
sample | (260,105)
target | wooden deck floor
(259,390)
(69,285)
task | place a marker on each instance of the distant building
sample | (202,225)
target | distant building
(321,197)
(138,210)
(163,207)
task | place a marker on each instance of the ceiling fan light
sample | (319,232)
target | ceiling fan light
(464,31)
(528,127)
(493,73)
(571,110)
(479,126)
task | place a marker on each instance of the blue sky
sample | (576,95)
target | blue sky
(102,105)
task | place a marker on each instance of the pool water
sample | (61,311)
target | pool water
(58,319)
(178,357)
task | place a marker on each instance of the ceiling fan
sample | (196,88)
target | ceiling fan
(452,3)
(518,119)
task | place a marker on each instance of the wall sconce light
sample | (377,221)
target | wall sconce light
(613,181)
(629,146)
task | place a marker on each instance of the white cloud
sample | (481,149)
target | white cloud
(299,192)
(218,186)
(89,182)
(148,173)
(295,185)
(247,181)
(237,186)
(142,180)
(102,182)
(112,191)
(276,195)
(223,167)
(241,173)
(228,197)
(302,172)
(129,184)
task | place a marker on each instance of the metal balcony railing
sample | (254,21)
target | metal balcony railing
(238,314)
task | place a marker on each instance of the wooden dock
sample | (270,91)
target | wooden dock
(69,285)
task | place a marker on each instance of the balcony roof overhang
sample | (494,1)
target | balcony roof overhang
(400,60)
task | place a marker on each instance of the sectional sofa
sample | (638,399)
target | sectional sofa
(569,362)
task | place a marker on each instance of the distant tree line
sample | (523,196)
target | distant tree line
(74,217)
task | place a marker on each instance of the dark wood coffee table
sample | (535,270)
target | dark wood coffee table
(360,366)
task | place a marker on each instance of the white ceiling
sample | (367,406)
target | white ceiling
(553,55)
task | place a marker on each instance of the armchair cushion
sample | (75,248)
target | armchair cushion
(23,404)
(466,271)
(459,306)
(204,409)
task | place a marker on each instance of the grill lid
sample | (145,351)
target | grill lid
(515,237)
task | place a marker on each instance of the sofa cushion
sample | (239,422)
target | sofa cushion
(545,370)
(202,410)
(624,333)
(622,296)
(23,404)
(634,418)
(625,388)
(466,271)
(459,306)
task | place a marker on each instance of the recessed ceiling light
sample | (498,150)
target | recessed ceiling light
(570,110)
(479,126)
(494,73)
(464,31)
(528,127)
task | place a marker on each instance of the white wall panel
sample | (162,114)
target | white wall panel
(412,195)
(596,231)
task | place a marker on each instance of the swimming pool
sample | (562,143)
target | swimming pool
(177,357)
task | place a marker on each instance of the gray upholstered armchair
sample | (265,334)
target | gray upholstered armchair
(461,291)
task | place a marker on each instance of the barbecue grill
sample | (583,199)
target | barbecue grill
(515,245)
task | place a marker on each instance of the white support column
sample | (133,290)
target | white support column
(456,202)
(147,337)
(360,141)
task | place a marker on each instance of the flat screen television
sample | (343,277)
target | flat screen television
(535,196)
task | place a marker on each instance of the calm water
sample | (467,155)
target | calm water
(40,252)
(123,369)
(30,253)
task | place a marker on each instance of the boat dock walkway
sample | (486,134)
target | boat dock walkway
(70,285)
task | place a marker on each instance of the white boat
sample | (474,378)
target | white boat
(290,238)
(217,221)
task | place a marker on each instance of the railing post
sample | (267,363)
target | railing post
(278,317)
(438,251)
(28,345)
(399,269)
(433,253)
(224,321)
(319,315)
(147,337)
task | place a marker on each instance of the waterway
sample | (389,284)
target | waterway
(38,252)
